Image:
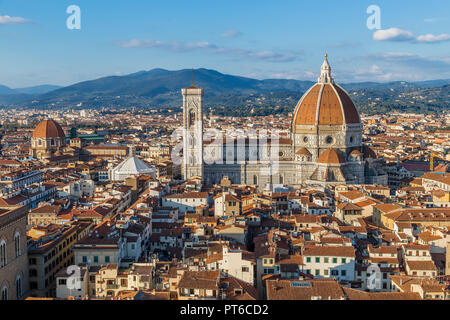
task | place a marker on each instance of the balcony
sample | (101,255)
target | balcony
(112,286)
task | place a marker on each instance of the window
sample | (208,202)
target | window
(62,282)
(2,253)
(19,287)
(329,139)
(255,179)
(317,272)
(326,272)
(343,272)
(245,269)
(17,244)
(325,260)
(334,260)
(344,260)
(317,259)
(334,273)
(84,259)
(308,259)
(107,259)
(5,293)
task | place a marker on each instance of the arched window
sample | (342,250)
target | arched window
(17,244)
(255,179)
(19,287)
(2,253)
(5,293)
(281,179)
(191,121)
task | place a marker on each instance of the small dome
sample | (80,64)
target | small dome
(48,129)
(356,152)
(331,156)
(303,151)
(368,152)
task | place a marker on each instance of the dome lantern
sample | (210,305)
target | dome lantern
(325,72)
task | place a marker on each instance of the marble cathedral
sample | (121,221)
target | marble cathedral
(324,148)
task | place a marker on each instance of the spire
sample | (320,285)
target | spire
(325,72)
(192,85)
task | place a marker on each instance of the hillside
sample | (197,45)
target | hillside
(228,94)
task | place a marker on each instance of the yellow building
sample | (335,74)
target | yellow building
(437,217)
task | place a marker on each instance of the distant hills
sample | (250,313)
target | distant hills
(160,88)
(4,90)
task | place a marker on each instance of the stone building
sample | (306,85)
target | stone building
(48,140)
(13,253)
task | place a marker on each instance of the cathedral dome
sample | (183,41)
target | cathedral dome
(303,152)
(331,156)
(368,152)
(48,129)
(325,103)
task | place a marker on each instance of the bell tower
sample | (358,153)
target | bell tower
(193,132)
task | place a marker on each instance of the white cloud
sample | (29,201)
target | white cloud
(12,20)
(430,38)
(210,48)
(172,46)
(393,34)
(396,34)
(232,33)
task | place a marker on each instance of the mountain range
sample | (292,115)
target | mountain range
(160,88)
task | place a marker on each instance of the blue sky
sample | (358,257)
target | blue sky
(260,39)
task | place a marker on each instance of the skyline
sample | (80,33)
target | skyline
(121,38)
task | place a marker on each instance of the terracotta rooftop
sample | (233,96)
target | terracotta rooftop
(331,156)
(48,129)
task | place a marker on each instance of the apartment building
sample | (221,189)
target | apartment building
(417,260)
(330,262)
(13,253)
(186,202)
(49,251)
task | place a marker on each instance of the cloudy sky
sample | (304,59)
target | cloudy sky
(259,39)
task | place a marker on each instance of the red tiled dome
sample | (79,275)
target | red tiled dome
(325,103)
(331,156)
(368,152)
(48,129)
(303,151)
(356,152)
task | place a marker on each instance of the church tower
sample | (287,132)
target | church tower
(193,132)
